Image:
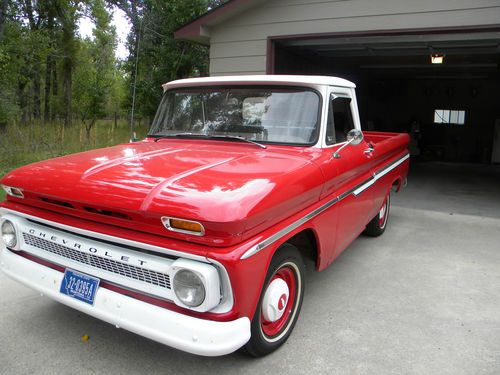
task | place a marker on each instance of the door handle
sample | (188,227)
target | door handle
(369,150)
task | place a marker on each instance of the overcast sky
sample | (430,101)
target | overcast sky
(122,25)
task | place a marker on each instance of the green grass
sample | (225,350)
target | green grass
(21,145)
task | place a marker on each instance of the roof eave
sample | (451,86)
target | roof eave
(195,33)
(198,30)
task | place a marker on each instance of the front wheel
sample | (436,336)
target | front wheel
(280,302)
(378,224)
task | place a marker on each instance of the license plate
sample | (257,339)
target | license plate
(79,286)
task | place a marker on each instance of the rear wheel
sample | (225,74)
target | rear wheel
(378,224)
(279,304)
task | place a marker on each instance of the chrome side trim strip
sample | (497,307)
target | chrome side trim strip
(365,186)
(357,190)
(382,172)
(275,237)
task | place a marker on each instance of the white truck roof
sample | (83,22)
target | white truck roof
(289,80)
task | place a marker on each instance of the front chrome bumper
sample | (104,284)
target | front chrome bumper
(193,335)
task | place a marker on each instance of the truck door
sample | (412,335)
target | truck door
(346,172)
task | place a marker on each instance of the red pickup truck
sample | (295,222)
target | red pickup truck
(197,236)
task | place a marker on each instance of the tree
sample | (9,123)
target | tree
(156,57)
(94,73)
(68,12)
(50,61)
(12,63)
(47,71)
(3,10)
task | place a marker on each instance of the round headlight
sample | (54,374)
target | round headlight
(9,234)
(189,288)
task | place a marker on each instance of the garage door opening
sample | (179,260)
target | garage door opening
(451,109)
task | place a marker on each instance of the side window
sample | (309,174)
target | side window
(339,120)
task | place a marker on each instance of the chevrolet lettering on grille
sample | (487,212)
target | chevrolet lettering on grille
(93,250)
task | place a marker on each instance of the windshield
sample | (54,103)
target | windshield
(265,114)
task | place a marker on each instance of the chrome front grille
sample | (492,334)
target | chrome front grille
(110,265)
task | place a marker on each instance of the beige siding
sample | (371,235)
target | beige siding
(267,14)
(239,44)
(240,64)
(237,49)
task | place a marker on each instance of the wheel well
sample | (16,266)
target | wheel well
(396,185)
(306,242)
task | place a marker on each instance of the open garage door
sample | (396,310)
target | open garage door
(449,108)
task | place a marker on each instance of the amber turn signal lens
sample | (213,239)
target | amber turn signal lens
(183,226)
(186,225)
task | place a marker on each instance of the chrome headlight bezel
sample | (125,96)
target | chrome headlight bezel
(189,288)
(8,228)
(207,275)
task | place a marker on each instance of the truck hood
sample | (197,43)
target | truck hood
(208,181)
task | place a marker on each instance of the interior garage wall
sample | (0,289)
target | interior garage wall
(393,105)
(239,45)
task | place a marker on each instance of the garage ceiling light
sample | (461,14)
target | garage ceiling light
(437,58)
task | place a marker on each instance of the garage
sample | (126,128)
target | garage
(429,68)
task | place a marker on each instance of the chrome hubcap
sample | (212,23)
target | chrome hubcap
(275,300)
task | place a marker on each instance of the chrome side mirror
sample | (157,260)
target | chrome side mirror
(354,137)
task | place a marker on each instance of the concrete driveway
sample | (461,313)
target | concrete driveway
(424,298)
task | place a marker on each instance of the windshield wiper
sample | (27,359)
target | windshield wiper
(236,138)
(209,136)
